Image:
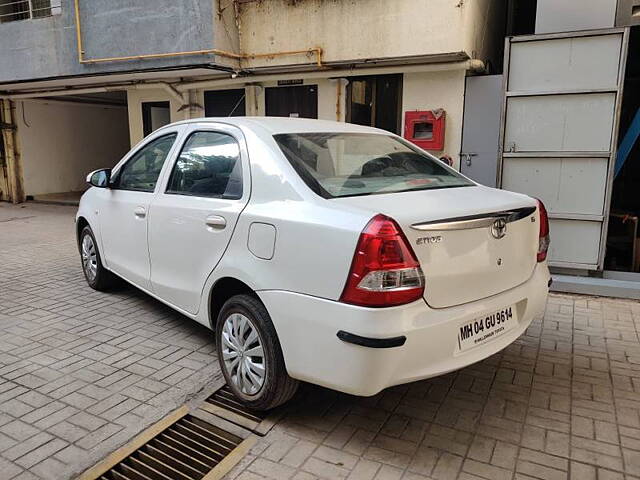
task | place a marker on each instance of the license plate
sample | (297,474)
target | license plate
(484,329)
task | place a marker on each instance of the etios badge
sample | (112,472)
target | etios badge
(499,228)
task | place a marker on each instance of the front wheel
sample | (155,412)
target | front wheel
(250,354)
(98,277)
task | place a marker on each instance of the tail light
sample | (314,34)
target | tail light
(543,242)
(385,271)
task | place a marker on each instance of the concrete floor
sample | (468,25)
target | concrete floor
(81,372)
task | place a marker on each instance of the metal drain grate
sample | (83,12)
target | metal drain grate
(188,449)
(224,404)
(223,398)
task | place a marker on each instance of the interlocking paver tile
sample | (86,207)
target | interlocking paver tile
(64,348)
(82,372)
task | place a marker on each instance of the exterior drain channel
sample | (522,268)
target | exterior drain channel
(223,404)
(182,446)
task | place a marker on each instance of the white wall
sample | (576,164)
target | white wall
(135,98)
(429,91)
(350,29)
(571,15)
(60,142)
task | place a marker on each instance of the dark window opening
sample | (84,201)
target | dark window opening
(521,17)
(300,101)
(623,238)
(375,101)
(154,116)
(12,10)
(225,103)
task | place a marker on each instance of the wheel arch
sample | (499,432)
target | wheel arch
(81,222)
(222,290)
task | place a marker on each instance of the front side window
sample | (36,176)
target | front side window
(348,164)
(142,170)
(208,166)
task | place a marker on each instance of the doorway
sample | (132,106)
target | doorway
(62,139)
(292,101)
(375,101)
(154,116)
(623,234)
(4,184)
(225,103)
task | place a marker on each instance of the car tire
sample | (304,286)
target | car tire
(242,318)
(98,277)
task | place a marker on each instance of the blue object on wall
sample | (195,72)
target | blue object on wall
(627,144)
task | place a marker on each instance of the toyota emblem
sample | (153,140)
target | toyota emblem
(499,228)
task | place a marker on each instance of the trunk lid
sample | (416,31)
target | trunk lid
(450,231)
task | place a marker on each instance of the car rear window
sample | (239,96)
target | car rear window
(350,164)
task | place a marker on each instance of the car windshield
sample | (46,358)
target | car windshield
(349,164)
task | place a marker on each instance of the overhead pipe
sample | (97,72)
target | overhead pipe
(472,65)
(211,51)
(177,90)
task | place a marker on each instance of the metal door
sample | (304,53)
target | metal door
(562,96)
(481,128)
(292,101)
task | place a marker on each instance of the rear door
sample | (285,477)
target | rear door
(561,108)
(193,216)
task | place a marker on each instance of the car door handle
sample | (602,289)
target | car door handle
(216,222)
(140,212)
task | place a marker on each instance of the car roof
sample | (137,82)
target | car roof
(274,125)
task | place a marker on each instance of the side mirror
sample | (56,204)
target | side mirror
(99,178)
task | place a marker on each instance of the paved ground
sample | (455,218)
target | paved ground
(562,402)
(81,372)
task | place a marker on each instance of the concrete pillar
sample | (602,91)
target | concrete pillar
(254,100)
(12,156)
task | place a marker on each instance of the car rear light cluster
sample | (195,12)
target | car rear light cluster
(544,239)
(385,271)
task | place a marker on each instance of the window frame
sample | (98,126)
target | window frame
(117,170)
(242,155)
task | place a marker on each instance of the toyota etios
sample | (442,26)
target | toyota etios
(317,251)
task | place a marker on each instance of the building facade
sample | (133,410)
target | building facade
(536,96)
(101,67)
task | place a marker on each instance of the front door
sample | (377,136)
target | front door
(481,128)
(292,101)
(193,217)
(124,210)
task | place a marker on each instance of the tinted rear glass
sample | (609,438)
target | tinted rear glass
(348,164)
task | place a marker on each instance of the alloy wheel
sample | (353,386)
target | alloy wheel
(89,257)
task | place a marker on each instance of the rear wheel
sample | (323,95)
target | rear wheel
(98,277)
(250,354)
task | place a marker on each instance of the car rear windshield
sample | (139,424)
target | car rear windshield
(349,164)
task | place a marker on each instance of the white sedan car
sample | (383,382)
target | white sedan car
(317,251)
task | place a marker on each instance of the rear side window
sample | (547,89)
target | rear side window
(208,166)
(349,164)
(141,171)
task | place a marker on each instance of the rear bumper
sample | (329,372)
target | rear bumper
(308,329)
